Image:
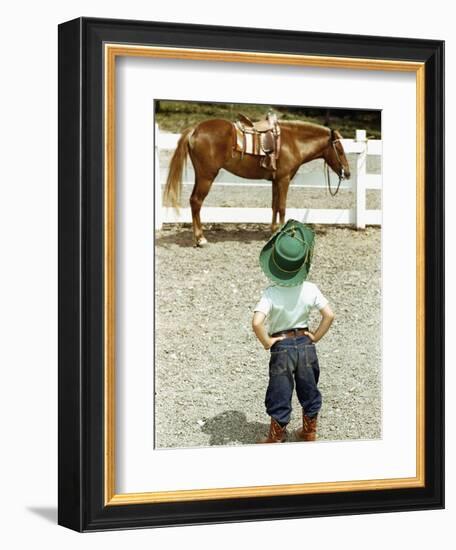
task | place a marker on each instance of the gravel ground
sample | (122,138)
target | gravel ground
(211,373)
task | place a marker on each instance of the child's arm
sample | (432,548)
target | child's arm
(260,330)
(327,317)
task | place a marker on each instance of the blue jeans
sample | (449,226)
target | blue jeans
(293,360)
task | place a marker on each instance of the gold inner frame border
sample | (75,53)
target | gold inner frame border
(111,52)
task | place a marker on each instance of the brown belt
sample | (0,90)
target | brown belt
(292,333)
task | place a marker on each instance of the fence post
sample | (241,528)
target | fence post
(360,185)
(157,182)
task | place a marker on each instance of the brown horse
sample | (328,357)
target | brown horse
(210,147)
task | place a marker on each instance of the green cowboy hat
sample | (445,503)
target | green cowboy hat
(286,257)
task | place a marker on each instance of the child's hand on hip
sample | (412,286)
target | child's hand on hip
(272,340)
(311,336)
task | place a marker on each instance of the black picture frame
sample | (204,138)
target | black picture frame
(81,474)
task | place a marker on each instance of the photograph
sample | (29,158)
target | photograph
(250,271)
(268,274)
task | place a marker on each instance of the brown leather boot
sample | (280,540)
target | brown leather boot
(308,432)
(277,434)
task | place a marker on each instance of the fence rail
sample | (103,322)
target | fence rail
(361,181)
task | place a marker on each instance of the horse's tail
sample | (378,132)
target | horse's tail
(173,187)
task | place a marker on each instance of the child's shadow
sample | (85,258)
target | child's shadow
(231,427)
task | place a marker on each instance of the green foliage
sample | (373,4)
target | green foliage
(175,116)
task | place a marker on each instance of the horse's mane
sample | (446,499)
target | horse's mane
(304,125)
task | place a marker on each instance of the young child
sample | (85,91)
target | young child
(286,304)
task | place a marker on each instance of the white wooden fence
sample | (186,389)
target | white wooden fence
(360,181)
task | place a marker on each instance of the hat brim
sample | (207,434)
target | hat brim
(273,271)
(270,268)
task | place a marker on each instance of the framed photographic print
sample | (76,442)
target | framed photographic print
(251,310)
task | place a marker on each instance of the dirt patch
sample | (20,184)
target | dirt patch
(210,371)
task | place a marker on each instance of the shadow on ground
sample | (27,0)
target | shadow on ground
(182,234)
(231,428)
(48,513)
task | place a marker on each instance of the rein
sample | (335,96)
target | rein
(328,175)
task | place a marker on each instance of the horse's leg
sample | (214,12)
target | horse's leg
(207,150)
(199,193)
(275,206)
(282,190)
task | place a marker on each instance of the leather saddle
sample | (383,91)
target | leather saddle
(260,138)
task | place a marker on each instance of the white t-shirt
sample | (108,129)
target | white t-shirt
(288,307)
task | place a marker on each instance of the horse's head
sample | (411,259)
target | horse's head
(334,155)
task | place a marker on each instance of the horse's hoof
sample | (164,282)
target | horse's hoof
(201,242)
